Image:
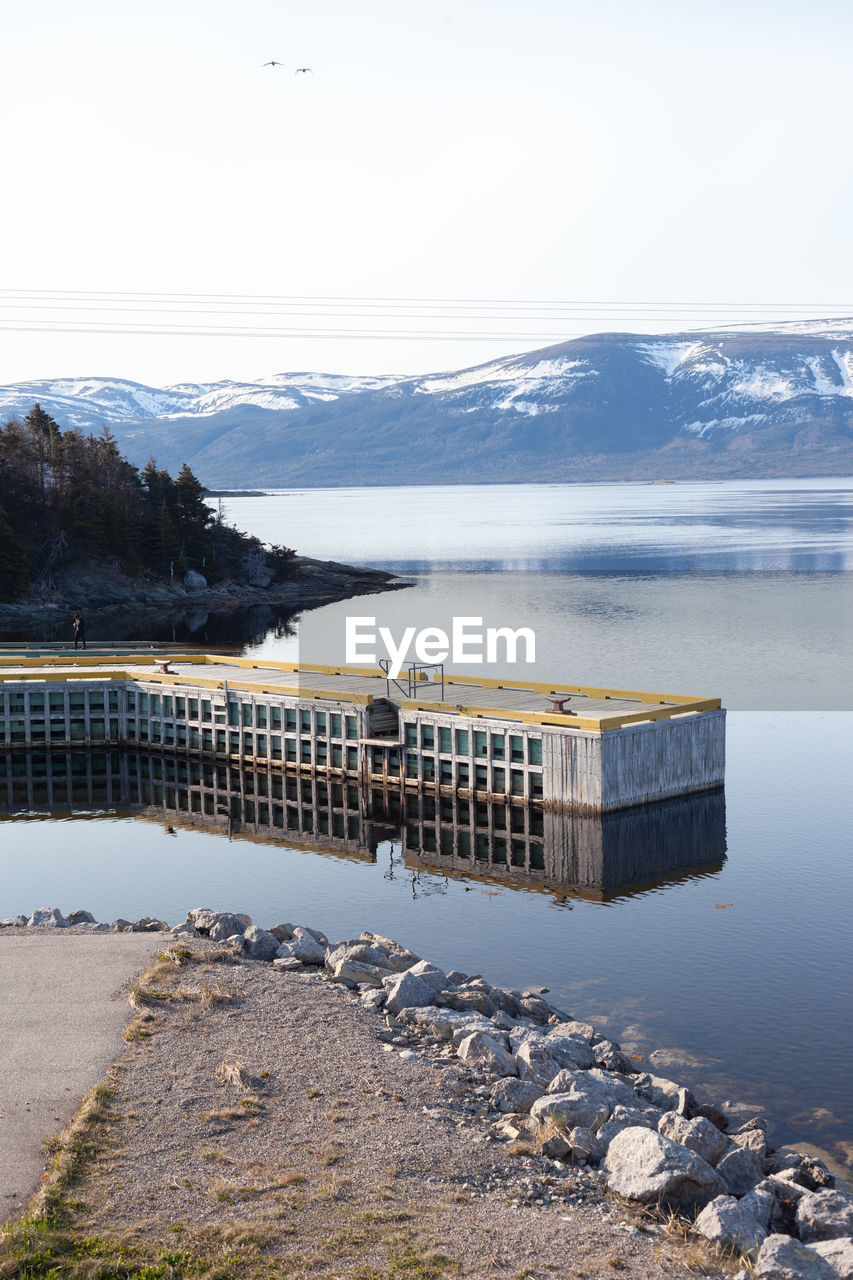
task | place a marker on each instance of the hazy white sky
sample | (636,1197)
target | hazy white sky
(611,152)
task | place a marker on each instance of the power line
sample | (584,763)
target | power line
(370,301)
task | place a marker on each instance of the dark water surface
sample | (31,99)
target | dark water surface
(720,929)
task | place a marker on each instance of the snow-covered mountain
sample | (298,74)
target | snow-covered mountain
(755,401)
(91,402)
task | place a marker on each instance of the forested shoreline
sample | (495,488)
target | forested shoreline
(68,499)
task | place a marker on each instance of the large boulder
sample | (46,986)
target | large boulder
(838,1253)
(436,979)
(741,1169)
(194,581)
(536,1064)
(664,1093)
(568,1110)
(354,951)
(728,1222)
(447,1024)
(204,920)
(406,991)
(79,917)
(510,1094)
(569,1050)
(485,1053)
(359,973)
(645,1166)
(627,1118)
(305,946)
(825,1215)
(47,918)
(259,944)
(608,1055)
(782,1258)
(697,1135)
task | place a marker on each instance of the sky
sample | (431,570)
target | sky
(451,182)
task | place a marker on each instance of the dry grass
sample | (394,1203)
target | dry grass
(213,1155)
(231,1071)
(332,1153)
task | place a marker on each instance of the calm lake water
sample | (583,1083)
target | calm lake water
(717,929)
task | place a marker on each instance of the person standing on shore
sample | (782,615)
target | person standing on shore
(79,631)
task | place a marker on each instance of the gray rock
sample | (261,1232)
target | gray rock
(612,1088)
(203,919)
(80,917)
(535,1008)
(512,1095)
(569,1050)
(663,1093)
(825,1215)
(486,1054)
(838,1253)
(751,1140)
(643,1165)
(284,932)
(568,1110)
(259,944)
(627,1118)
(432,977)
(781,1258)
(741,1169)
(287,964)
(373,998)
(47,918)
(761,1203)
(608,1055)
(300,930)
(586,1147)
(536,1064)
(556,1147)
(194,581)
(405,991)
(728,1222)
(121,926)
(13,922)
(815,1175)
(303,946)
(150,924)
(717,1117)
(363,951)
(585,1030)
(697,1135)
(226,925)
(457,977)
(447,1024)
(355,972)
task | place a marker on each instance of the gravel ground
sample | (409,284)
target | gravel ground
(332,1149)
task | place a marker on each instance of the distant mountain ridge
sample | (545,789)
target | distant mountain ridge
(763,401)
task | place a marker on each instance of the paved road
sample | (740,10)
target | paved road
(63,1007)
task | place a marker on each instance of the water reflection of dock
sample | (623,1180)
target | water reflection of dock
(520,845)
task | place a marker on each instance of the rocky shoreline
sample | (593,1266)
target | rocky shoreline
(105,593)
(558,1091)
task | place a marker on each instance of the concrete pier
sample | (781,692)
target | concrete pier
(588,750)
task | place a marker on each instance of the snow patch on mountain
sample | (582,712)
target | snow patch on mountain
(668,356)
(724,424)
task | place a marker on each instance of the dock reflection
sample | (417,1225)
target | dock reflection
(521,846)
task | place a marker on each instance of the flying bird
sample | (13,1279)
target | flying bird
(272,63)
(298,69)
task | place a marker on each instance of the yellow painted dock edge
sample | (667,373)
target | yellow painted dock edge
(655,706)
